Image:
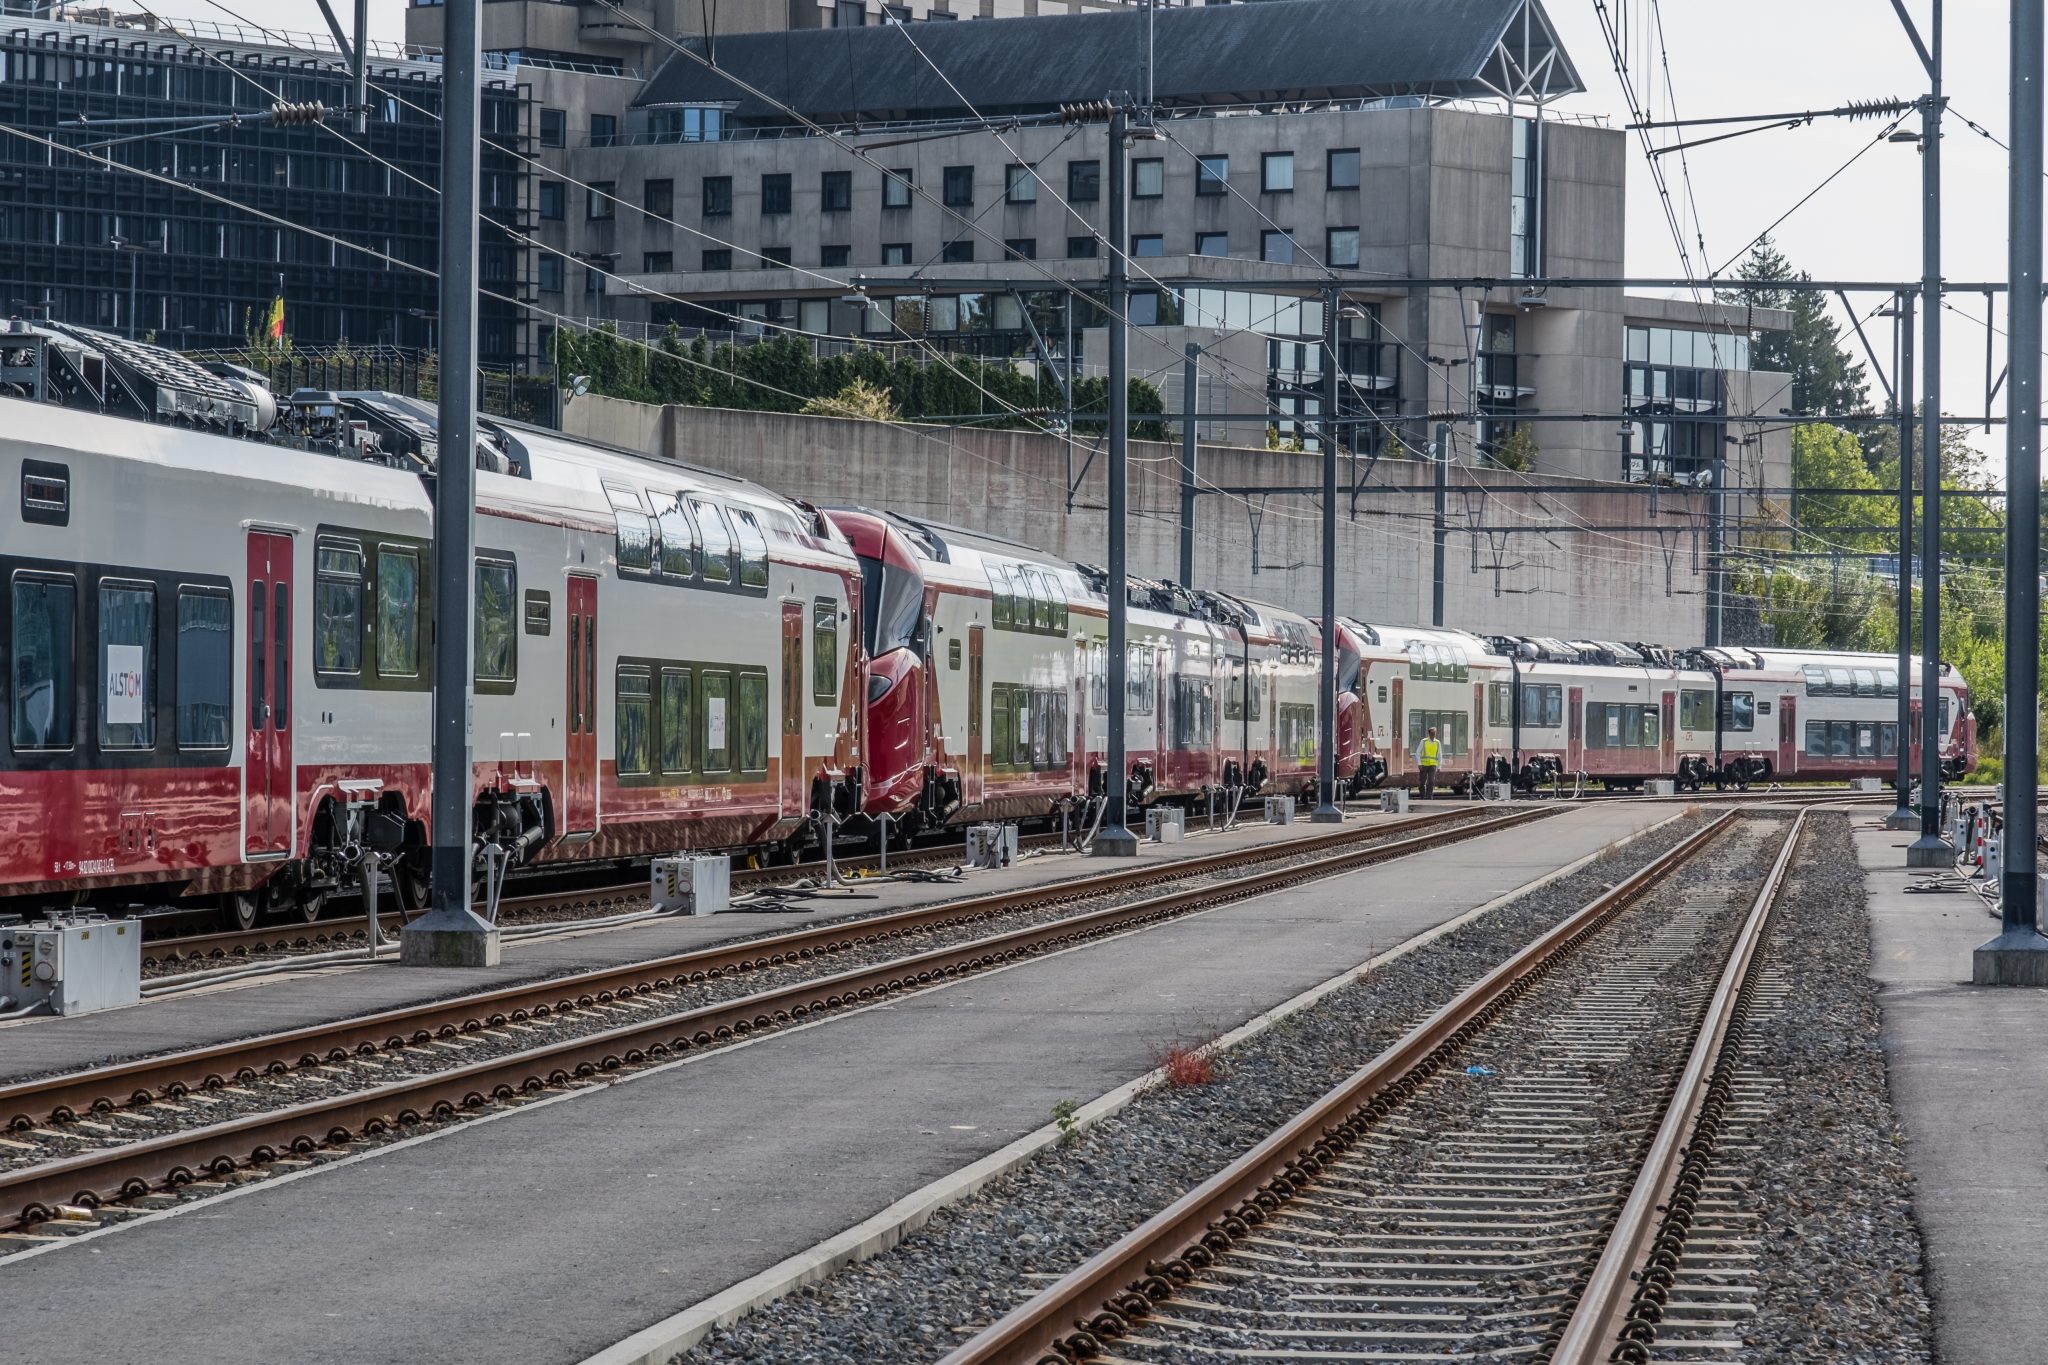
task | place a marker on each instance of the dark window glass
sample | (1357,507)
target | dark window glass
(1148,177)
(1342,248)
(1212,244)
(1020,185)
(717,745)
(281,634)
(895,253)
(635,533)
(1081,248)
(678,541)
(896,185)
(338,607)
(604,129)
(1343,168)
(551,199)
(206,660)
(633,737)
(718,258)
(849,13)
(1277,247)
(593,279)
(550,272)
(775,193)
(601,192)
(824,651)
(774,255)
(718,545)
(1021,248)
(657,262)
(127,665)
(1738,711)
(957,252)
(658,197)
(717,196)
(1084,182)
(753,550)
(1148,244)
(539,612)
(1276,172)
(753,718)
(398,612)
(678,721)
(957,187)
(1214,175)
(831,256)
(497,634)
(835,191)
(554,127)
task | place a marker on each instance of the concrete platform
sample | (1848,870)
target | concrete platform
(1968,1072)
(269,1004)
(551,1232)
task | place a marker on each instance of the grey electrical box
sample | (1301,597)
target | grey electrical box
(71,964)
(1166,824)
(1279,810)
(991,845)
(694,884)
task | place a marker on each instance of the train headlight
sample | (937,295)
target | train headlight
(878,687)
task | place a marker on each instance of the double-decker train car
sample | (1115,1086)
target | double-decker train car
(1617,714)
(1402,681)
(1828,715)
(217,635)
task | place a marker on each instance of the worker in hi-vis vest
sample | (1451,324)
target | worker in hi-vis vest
(1428,755)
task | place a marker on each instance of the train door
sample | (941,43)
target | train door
(1788,736)
(1669,711)
(972,779)
(1397,738)
(1575,729)
(792,764)
(1477,761)
(579,756)
(267,767)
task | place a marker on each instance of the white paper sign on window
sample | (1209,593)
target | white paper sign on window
(124,685)
(714,722)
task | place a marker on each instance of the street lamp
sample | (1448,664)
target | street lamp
(135,250)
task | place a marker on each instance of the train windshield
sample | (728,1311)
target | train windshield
(892,608)
(1348,669)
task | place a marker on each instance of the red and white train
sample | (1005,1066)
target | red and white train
(216,651)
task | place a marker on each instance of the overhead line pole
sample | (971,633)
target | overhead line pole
(1187,466)
(451,934)
(1114,839)
(1904,816)
(2019,955)
(1327,811)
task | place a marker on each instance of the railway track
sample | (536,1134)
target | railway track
(80,1141)
(1480,1189)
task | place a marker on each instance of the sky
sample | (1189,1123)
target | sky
(1728,57)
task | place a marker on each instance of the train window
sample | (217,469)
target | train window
(539,610)
(1059,604)
(205,664)
(1866,741)
(1041,604)
(1866,682)
(398,612)
(717,541)
(825,651)
(281,636)
(1500,703)
(1653,728)
(1026,611)
(753,550)
(337,606)
(1888,682)
(1888,740)
(1461,669)
(1738,711)
(678,541)
(44,685)
(1695,709)
(1816,680)
(1632,727)
(753,722)
(1841,738)
(497,632)
(1840,683)
(1817,739)
(45,493)
(1945,704)
(717,746)
(1138,681)
(127,665)
(634,528)
(999,726)
(632,738)
(678,729)
(953,654)
(1194,721)
(999,596)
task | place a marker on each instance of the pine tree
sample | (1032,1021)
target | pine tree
(1825,379)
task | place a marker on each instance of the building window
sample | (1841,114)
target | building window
(1145,308)
(1148,177)
(1084,182)
(1212,244)
(604,130)
(593,280)
(551,200)
(1214,176)
(1081,248)
(1277,247)
(896,186)
(849,14)
(1020,185)
(1148,244)
(830,256)
(957,252)
(835,191)
(600,203)
(554,127)
(775,256)
(1343,247)
(658,197)
(550,272)
(958,187)
(1276,173)
(717,196)
(1021,248)
(694,123)
(900,13)
(1343,168)
(657,262)
(718,258)
(895,253)
(1525,205)
(774,194)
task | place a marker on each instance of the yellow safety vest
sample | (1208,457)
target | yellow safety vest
(1432,753)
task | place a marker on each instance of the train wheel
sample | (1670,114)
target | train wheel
(413,887)
(246,908)
(311,903)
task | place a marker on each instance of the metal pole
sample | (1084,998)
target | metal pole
(360,63)
(1931,849)
(1187,466)
(134,268)
(1904,816)
(1327,811)
(450,934)
(1437,530)
(2019,955)
(1114,839)
(1717,520)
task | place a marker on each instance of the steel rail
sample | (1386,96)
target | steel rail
(1601,1322)
(1116,1288)
(64,1097)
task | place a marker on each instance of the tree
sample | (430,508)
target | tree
(1824,377)
(1517,450)
(857,399)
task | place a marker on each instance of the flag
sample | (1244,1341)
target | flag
(274,328)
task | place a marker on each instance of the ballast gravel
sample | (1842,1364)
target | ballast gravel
(974,1261)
